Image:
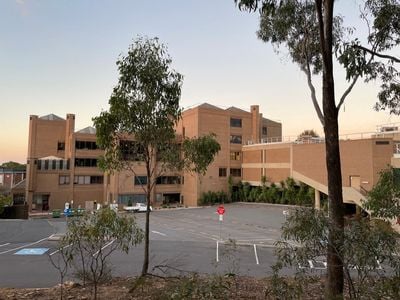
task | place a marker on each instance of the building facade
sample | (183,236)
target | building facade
(362,160)
(62,163)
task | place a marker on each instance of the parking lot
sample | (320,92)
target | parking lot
(185,239)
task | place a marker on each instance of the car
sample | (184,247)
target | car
(138,207)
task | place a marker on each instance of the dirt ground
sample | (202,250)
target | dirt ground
(194,287)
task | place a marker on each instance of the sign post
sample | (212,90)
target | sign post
(220,212)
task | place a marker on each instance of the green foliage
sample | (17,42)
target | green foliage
(211,198)
(195,286)
(87,237)
(144,104)
(288,193)
(5,200)
(384,199)
(199,152)
(12,165)
(294,25)
(139,127)
(305,237)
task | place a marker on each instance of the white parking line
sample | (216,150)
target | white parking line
(4,244)
(217,258)
(51,254)
(23,246)
(157,232)
(255,253)
(105,246)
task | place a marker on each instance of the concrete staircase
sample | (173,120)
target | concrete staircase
(350,195)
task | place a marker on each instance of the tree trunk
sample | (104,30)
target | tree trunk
(331,128)
(147,228)
(335,198)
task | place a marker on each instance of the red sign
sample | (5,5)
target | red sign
(221,210)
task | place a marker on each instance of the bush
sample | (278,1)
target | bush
(4,201)
(210,198)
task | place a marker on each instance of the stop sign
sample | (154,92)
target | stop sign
(221,210)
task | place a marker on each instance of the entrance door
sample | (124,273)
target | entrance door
(355,182)
(45,202)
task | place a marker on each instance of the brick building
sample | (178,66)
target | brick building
(62,162)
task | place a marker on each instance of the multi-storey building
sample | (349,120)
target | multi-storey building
(62,162)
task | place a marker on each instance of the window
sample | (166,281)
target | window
(85,162)
(168,180)
(236,172)
(131,150)
(222,172)
(86,179)
(264,130)
(63,179)
(382,143)
(87,145)
(130,199)
(80,179)
(96,179)
(235,122)
(1,178)
(60,146)
(140,180)
(236,139)
(236,155)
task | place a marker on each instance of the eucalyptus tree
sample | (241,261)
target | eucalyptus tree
(314,36)
(139,127)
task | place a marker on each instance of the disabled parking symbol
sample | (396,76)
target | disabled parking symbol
(32,251)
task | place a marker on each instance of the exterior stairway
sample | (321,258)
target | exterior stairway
(350,195)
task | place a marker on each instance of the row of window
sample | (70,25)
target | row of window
(63,164)
(141,180)
(80,179)
(235,172)
(53,164)
(82,145)
(85,145)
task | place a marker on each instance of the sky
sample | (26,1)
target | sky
(58,56)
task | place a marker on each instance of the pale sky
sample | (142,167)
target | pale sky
(58,56)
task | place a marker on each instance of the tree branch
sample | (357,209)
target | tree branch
(393,58)
(347,92)
(307,71)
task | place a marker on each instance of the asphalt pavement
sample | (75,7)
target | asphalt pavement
(180,240)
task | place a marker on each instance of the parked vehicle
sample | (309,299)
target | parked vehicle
(138,207)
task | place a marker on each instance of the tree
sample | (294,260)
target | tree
(139,128)
(13,165)
(313,36)
(384,199)
(90,241)
(308,133)
(369,247)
